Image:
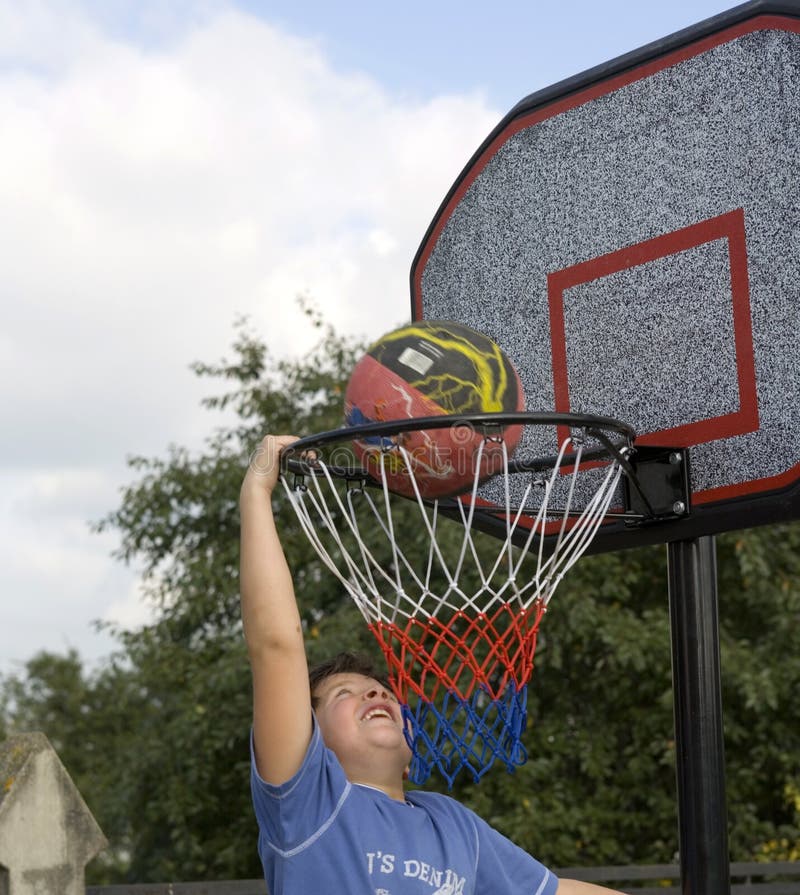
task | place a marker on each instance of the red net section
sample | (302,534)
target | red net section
(466,652)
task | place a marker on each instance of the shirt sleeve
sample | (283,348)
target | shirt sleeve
(291,815)
(503,868)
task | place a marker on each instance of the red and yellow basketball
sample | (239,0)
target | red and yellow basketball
(431,368)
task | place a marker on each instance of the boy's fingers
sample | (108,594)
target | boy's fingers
(265,459)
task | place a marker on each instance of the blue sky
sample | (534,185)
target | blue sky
(424,49)
(168,166)
(506,50)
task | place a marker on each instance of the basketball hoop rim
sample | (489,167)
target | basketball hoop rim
(612,447)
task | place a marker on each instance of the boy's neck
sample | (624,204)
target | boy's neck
(394,791)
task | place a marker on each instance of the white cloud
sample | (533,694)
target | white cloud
(131,610)
(148,197)
(56,577)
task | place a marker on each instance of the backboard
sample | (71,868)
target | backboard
(631,239)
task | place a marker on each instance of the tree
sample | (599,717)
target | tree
(157,739)
(187,783)
(177,802)
(600,784)
(760,617)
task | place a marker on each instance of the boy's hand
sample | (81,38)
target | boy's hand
(262,472)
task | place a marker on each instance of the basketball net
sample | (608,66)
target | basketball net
(457,625)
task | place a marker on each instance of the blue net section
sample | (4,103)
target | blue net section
(466,734)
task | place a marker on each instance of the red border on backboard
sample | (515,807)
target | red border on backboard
(728,226)
(573,101)
(772,21)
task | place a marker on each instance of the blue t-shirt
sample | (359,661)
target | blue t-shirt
(319,834)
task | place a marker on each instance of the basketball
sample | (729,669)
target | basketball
(431,368)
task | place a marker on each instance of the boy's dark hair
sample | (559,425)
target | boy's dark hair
(345,663)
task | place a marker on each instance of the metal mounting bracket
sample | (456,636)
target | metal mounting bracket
(660,487)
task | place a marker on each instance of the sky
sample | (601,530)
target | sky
(168,167)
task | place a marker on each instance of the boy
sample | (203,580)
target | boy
(329,758)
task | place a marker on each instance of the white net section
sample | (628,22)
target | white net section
(353,529)
(455,611)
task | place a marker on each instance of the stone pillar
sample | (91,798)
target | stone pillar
(47,834)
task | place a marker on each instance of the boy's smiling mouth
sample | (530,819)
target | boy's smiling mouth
(377,711)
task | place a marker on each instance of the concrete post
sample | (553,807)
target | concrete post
(47,834)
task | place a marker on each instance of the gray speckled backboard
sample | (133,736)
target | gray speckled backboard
(631,238)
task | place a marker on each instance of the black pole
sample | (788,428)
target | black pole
(702,812)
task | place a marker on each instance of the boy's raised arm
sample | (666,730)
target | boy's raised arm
(272,628)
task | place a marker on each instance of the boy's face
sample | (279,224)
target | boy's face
(360,720)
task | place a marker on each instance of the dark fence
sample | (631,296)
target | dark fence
(223,887)
(777,878)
